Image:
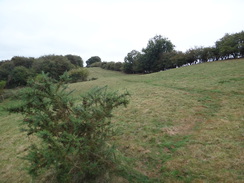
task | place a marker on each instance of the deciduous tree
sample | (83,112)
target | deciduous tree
(153,53)
(23,61)
(131,61)
(55,65)
(75,60)
(92,60)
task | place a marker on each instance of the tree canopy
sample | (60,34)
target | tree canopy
(131,62)
(18,70)
(75,60)
(92,60)
(55,65)
(154,52)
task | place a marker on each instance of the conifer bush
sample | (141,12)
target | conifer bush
(71,134)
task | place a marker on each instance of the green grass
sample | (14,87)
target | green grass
(182,125)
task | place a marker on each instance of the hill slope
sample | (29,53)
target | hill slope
(181,125)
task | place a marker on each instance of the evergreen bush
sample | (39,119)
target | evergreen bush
(72,135)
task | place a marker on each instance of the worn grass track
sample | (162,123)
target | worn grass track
(182,125)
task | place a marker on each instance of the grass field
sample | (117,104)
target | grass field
(182,125)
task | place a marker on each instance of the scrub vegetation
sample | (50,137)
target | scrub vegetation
(181,125)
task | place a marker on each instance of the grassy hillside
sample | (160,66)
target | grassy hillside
(182,125)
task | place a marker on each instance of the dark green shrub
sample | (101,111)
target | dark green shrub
(80,74)
(6,69)
(23,61)
(19,76)
(72,134)
(92,60)
(2,86)
(55,65)
(75,60)
(97,64)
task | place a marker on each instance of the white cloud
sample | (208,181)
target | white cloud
(111,28)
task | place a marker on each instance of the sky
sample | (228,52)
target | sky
(112,28)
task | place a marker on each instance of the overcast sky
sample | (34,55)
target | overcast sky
(112,28)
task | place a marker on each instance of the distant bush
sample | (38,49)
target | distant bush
(6,69)
(23,61)
(55,65)
(73,135)
(2,86)
(19,76)
(80,74)
(114,66)
(97,64)
(118,66)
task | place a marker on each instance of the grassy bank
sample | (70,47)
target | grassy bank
(182,125)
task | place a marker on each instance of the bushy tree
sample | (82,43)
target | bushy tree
(72,135)
(55,65)
(75,60)
(20,76)
(152,56)
(131,62)
(114,66)
(178,58)
(92,60)
(214,53)
(191,56)
(118,66)
(23,61)
(5,70)
(240,41)
(228,46)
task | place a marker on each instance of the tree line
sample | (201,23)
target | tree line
(160,55)
(18,70)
